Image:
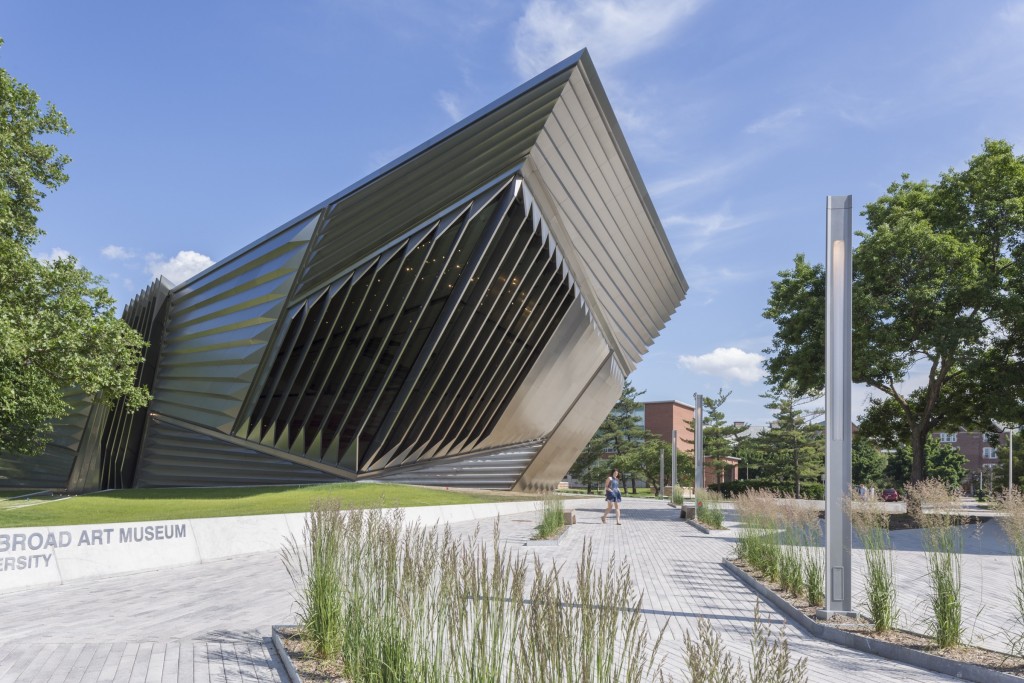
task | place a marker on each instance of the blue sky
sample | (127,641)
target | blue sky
(200,126)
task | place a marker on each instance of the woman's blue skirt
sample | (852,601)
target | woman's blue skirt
(613,496)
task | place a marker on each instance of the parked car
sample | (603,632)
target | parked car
(890,495)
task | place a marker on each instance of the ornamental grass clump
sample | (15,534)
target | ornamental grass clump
(1012,522)
(710,662)
(677,496)
(552,517)
(416,604)
(709,508)
(871,522)
(935,508)
(315,565)
(758,542)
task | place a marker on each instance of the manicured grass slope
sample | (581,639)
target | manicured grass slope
(139,505)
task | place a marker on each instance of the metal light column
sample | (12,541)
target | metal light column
(838,374)
(661,473)
(1010,477)
(698,441)
(675,460)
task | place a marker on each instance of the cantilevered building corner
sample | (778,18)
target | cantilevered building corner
(465,316)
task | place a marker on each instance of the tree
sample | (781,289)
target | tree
(868,463)
(793,446)
(643,458)
(942,462)
(616,437)
(721,437)
(897,467)
(58,326)
(945,463)
(938,285)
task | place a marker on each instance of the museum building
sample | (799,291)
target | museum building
(464,316)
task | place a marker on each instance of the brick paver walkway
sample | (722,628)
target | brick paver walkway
(211,622)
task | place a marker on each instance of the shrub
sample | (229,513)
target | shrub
(812,490)
(934,507)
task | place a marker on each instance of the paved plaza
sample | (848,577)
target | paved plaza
(211,622)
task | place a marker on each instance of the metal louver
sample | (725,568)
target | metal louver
(414,353)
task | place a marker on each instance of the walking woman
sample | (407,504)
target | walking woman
(613,497)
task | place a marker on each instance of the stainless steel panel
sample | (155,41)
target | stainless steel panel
(225,319)
(574,430)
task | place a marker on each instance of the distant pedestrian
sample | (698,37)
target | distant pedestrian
(612,496)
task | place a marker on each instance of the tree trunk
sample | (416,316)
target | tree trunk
(918,439)
(633,480)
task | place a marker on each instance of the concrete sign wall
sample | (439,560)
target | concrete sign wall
(38,556)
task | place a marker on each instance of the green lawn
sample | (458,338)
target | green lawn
(139,505)
(11,493)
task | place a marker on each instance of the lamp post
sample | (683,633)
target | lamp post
(838,376)
(661,473)
(698,442)
(1010,477)
(675,461)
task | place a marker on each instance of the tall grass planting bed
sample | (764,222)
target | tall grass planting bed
(778,543)
(389,601)
(383,600)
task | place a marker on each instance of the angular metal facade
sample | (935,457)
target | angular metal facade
(463,317)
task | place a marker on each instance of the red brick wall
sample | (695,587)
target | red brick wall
(661,417)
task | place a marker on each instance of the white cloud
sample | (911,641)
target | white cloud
(55,253)
(181,267)
(112,251)
(702,176)
(729,362)
(776,122)
(613,30)
(450,103)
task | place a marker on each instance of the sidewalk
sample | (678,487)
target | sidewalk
(211,622)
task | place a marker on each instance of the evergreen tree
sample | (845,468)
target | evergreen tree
(618,436)
(868,463)
(794,446)
(721,437)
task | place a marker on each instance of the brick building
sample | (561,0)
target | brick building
(661,417)
(977,448)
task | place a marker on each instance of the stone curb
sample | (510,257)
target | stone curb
(698,527)
(940,665)
(293,674)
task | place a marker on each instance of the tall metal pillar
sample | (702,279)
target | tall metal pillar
(661,474)
(698,441)
(675,461)
(838,376)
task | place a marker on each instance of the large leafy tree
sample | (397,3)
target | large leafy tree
(938,286)
(58,326)
(644,459)
(868,463)
(793,446)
